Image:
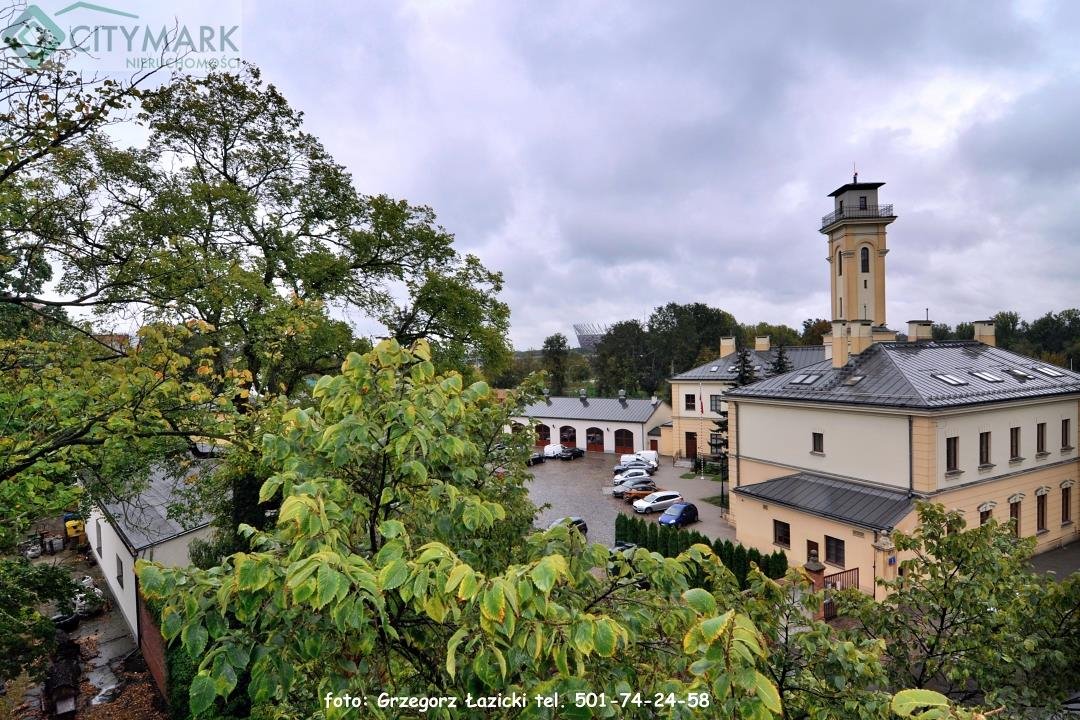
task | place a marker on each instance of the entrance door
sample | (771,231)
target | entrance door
(624,442)
(691,445)
(654,445)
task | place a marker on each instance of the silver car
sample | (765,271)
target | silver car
(658,501)
(635,474)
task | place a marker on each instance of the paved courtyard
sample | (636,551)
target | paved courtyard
(583,488)
(1062,561)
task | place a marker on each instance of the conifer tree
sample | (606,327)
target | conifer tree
(781,363)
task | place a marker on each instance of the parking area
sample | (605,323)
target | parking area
(583,488)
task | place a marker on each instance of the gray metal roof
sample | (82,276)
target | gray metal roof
(144,520)
(871,507)
(902,374)
(799,355)
(631,410)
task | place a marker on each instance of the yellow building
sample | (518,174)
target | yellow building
(832,457)
(697,395)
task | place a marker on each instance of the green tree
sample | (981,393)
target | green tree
(26,636)
(781,362)
(679,334)
(961,618)
(363,584)
(814,330)
(625,360)
(744,368)
(556,350)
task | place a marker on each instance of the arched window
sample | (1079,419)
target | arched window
(594,439)
(839,264)
(543,435)
(864,259)
(568,435)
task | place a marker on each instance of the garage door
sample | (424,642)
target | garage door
(624,442)
(594,439)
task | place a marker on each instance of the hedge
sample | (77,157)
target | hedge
(670,541)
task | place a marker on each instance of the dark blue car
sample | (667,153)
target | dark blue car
(680,514)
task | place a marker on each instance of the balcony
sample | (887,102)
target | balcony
(857,213)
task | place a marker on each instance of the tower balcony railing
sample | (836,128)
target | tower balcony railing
(853,213)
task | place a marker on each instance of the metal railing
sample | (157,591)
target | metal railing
(849,213)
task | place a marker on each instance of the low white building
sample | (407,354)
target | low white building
(605,425)
(121,533)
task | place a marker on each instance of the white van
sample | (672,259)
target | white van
(553,450)
(649,456)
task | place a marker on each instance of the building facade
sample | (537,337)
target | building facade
(831,459)
(697,395)
(603,425)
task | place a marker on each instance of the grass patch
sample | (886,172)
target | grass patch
(718,500)
(692,475)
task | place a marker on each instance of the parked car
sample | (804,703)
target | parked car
(657,501)
(632,495)
(535,459)
(574,522)
(642,465)
(679,514)
(639,484)
(553,450)
(638,457)
(571,453)
(632,474)
(32,551)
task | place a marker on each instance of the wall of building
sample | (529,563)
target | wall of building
(969,498)
(172,553)
(998,421)
(864,445)
(755,529)
(107,547)
(703,423)
(638,430)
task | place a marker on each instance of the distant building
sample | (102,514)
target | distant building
(830,459)
(609,425)
(141,528)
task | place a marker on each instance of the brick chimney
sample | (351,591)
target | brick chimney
(862,335)
(762,343)
(984,332)
(920,330)
(727,346)
(839,343)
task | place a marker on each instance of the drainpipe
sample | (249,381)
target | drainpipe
(911,455)
(738,457)
(875,560)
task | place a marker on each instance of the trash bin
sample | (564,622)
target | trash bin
(54,545)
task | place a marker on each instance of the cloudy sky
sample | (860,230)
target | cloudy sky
(612,157)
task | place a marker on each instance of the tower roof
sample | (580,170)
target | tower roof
(855,186)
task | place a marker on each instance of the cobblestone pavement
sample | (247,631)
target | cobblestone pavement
(583,488)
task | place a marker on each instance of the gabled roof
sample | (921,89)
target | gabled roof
(871,507)
(799,355)
(631,410)
(909,374)
(144,521)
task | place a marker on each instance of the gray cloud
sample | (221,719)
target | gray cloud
(612,157)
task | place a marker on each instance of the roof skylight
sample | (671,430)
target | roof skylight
(986,375)
(805,379)
(951,379)
(854,380)
(1048,371)
(1022,374)
(714,368)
